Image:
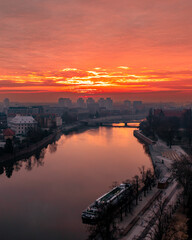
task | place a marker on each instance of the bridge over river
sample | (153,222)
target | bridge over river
(127,120)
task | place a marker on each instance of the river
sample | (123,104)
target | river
(43,197)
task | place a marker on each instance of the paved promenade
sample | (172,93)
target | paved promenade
(137,225)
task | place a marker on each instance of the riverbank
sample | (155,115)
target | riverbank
(33,148)
(138,134)
(72,127)
(162,157)
(28,151)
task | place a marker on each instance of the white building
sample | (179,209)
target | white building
(22,124)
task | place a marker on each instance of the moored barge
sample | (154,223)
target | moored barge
(95,211)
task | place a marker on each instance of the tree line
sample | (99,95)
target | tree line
(171,129)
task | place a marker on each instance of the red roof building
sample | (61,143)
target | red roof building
(8,133)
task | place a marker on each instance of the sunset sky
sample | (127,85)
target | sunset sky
(126,49)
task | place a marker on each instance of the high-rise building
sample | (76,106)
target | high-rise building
(90,100)
(6,103)
(127,104)
(102,102)
(109,103)
(92,106)
(80,102)
(61,102)
(137,104)
(65,102)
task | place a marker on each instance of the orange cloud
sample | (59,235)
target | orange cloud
(97,81)
(74,47)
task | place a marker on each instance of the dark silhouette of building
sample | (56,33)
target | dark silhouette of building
(127,104)
(80,102)
(65,102)
(3,120)
(137,104)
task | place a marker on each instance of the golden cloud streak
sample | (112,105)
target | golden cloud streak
(80,81)
(123,67)
(69,69)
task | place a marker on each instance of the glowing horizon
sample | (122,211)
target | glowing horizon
(129,49)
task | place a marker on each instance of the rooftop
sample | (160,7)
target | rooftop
(8,132)
(23,119)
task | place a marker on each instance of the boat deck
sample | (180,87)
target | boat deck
(110,194)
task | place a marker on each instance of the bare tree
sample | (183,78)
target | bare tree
(136,186)
(182,172)
(147,179)
(162,225)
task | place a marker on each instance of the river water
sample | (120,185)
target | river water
(43,197)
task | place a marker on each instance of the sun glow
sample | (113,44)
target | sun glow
(96,80)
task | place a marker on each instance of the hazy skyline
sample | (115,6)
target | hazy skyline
(124,49)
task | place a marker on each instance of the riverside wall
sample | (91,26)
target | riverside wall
(139,135)
(33,148)
(149,142)
(28,151)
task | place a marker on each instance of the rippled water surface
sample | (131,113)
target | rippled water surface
(43,197)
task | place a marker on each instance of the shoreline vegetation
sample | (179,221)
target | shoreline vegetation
(28,151)
(34,155)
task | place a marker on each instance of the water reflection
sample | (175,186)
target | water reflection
(46,202)
(38,158)
(145,147)
(132,124)
(29,163)
(53,147)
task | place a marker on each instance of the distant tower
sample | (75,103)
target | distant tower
(6,103)
(61,102)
